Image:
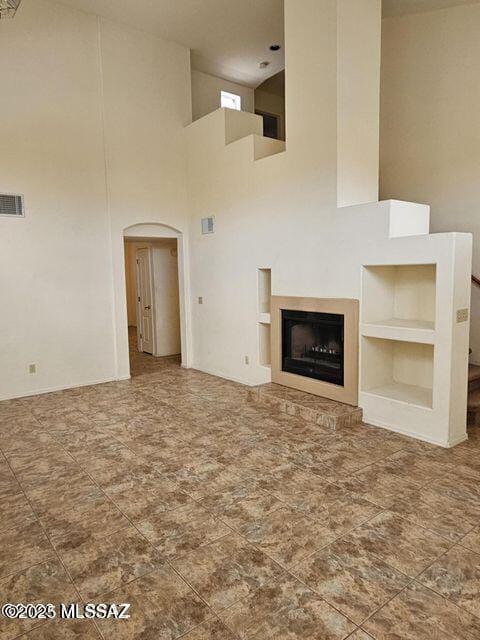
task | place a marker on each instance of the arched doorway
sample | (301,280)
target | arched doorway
(155,235)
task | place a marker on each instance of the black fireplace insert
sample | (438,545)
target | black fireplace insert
(312,345)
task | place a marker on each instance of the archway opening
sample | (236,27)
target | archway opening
(155,296)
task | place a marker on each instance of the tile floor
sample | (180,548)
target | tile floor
(218,518)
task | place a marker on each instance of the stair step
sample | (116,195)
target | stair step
(473,378)
(473,373)
(473,403)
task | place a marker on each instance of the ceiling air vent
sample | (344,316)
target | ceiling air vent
(11,205)
(208,225)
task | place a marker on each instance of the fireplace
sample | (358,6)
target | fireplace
(312,345)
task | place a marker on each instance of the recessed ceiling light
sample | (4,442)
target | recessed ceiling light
(264,65)
(275,47)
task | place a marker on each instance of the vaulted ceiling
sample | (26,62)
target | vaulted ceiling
(228,38)
(403,7)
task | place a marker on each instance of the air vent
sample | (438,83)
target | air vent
(208,225)
(11,205)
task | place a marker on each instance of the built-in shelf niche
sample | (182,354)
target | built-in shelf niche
(399,371)
(400,301)
(264,350)
(264,290)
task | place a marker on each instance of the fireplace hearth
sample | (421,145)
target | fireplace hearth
(313,345)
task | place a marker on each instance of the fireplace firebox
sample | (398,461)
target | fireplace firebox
(313,345)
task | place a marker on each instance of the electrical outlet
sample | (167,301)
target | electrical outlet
(200,299)
(32,368)
(247,360)
(462,315)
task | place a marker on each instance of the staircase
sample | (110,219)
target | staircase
(473,405)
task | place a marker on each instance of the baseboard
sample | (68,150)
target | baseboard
(459,440)
(415,436)
(219,374)
(40,392)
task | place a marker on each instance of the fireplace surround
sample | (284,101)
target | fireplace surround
(315,346)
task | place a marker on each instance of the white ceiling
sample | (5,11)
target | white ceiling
(228,38)
(402,7)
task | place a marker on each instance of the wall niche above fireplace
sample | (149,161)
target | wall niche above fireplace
(315,346)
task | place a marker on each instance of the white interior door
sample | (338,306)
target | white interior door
(145,320)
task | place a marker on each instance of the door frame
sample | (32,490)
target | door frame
(149,232)
(147,248)
(279,119)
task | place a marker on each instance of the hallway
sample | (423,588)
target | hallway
(144,363)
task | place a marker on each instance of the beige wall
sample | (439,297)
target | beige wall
(51,141)
(430,124)
(147,103)
(358,95)
(206,93)
(92,133)
(92,117)
(279,212)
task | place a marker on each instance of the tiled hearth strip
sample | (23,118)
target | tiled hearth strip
(321,411)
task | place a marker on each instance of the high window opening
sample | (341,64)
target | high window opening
(230,101)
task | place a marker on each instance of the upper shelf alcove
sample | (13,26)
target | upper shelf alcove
(399,302)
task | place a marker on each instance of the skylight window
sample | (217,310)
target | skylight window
(230,101)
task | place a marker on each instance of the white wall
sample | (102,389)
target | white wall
(358,92)
(281,212)
(92,133)
(100,147)
(206,93)
(430,125)
(59,295)
(147,103)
